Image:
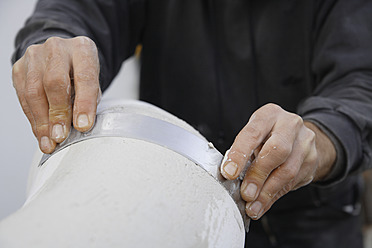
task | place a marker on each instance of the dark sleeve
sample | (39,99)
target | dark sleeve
(115,26)
(342,69)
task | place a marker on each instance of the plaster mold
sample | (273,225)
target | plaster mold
(123,192)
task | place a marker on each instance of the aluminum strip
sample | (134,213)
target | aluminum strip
(166,134)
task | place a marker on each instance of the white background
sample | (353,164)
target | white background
(17,143)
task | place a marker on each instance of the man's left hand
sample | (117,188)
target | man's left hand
(286,153)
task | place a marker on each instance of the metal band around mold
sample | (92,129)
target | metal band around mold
(166,134)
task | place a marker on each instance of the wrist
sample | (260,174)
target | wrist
(325,149)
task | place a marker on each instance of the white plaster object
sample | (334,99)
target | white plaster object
(123,192)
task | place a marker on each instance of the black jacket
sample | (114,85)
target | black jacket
(213,62)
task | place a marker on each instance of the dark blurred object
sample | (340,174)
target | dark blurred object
(367,197)
(367,209)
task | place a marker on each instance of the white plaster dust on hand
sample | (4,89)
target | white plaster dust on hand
(230,168)
(245,169)
(268,153)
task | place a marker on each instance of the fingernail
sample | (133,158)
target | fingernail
(230,169)
(250,190)
(255,208)
(82,121)
(45,144)
(58,132)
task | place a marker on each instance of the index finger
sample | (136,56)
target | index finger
(57,86)
(86,82)
(249,138)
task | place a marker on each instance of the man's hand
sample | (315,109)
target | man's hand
(287,154)
(43,80)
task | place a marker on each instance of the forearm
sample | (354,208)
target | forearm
(342,77)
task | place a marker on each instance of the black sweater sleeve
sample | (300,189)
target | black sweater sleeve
(342,68)
(115,26)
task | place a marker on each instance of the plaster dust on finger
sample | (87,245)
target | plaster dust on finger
(228,159)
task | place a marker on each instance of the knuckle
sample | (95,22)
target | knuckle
(289,172)
(33,93)
(53,41)
(61,113)
(311,136)
(85,49)
(304,182)
(85,41)
(284,149)
(237,152)
(272,107)
(267,196)
(296,120)
(88,77)
(252,132)
(308,141)
(86,45)
(86,102)
(16,69)
(55,81)
(32,51)
(41,127)
(288,187)
(260,173)
(281,148)
(54,54)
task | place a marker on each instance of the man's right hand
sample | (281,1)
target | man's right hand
(46,79)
